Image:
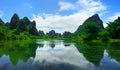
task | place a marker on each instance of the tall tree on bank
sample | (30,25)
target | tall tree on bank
(91,30)
(114,29)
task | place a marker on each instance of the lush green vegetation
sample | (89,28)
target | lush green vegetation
(91,52)
(18,29)
(18,49)
(94,51)
(114,29)
(114,51)
(91,29)
(90,37)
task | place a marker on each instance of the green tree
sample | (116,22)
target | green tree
(114,29)
(4,32)
(91,31)
(104,35)
(2,35)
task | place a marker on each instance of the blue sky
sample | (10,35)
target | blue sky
(60,15)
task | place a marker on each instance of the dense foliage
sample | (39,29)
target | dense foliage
(94,31)
(91,29)
(18,49)
(114,29)
(17,28)
(89,22)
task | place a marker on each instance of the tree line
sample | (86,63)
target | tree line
(91,29)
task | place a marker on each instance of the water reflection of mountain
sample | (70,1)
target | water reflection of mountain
(93,54)
(31,65)
(54,55)
(52,44)
(18,50)
(114,52)
(67,44)
(60,55)
(40,45)
(27,49)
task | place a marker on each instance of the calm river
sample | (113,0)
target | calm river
(57,55)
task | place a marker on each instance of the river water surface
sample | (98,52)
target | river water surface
(57,55)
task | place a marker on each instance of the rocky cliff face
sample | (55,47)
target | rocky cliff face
(14,21)
(1,22)
(53,34)
(22,25)
(95,18)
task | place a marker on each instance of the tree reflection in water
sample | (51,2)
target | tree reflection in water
(54,55)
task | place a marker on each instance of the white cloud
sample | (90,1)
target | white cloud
(85,8)
(91,6)
(1,14)
(66,6)
(62,23)
(112,18)
(28,5)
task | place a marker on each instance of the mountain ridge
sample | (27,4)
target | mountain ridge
(94,18)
